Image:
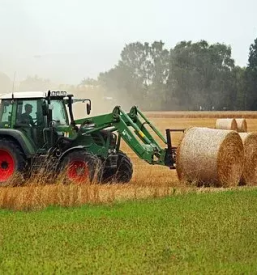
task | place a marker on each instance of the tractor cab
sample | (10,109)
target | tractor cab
(23,111)
(39,115)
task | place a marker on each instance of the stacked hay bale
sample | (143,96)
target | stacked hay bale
(226,124)
(210,157)
(238,124)
(249,175)
(241,125)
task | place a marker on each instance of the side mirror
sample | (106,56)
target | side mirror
(88,108)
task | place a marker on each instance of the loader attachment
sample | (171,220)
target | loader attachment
(170,151)
(131,127)
(171,154)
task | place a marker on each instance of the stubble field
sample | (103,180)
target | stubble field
(148,180)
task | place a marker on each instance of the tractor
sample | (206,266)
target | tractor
(38,132)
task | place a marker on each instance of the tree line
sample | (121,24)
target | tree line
(190,76)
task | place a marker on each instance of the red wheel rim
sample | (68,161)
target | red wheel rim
(78,171)
(7,165)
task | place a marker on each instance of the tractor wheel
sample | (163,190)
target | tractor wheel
(122,174)
(80,167)
(12,163)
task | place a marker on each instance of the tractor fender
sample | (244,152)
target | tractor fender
(21,139)
(75,148)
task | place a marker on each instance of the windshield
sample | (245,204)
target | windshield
(59,112)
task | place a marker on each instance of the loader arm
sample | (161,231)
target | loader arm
(129,126)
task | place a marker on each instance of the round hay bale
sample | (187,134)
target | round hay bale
(241,125)
(249,175)
(210,157)
(226,124)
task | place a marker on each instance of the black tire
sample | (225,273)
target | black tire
(80,167)
(122,174)
(12,163)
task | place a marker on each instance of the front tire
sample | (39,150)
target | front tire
(122,174)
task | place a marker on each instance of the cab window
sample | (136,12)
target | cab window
(59,112)
(26,111)
(5,112)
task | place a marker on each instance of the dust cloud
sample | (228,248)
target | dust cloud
(103,102)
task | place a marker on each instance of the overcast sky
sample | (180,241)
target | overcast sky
(67,40)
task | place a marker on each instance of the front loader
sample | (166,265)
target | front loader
(39,133)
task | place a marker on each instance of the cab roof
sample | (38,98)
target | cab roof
(33,94)
(30,94)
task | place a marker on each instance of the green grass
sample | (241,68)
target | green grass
(204,233)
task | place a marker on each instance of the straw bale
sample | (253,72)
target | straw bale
(241,125)
(226,124)
(249,176)
(210,157)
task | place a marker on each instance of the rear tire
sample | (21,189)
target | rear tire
(122,174)
(12,163)
(80,167)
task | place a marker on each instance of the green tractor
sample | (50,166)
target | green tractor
(39,133)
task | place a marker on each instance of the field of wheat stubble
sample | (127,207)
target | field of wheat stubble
(148,180)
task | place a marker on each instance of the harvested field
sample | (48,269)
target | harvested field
(147,181)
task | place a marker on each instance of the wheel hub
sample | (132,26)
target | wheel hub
(4,165)
(78,171)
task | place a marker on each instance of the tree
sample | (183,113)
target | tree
(251,77)
(89,81)
(140,74)
(240,88)
(200,75)
(157,92)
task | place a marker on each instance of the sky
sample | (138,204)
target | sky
(68,40)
